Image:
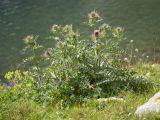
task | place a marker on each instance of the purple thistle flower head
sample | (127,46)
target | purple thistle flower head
(4,85)
(96,33)
(11,84)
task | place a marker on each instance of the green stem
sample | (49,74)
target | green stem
(36,64)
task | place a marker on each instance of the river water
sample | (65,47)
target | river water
(18,18)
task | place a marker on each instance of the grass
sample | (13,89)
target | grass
(112,110)
(91,109)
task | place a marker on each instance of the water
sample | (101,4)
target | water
(18,18)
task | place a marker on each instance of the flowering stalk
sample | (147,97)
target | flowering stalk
(97,41)
(30,40)
(93,19)
(61,46)
(131,54)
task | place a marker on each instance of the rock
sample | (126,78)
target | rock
(119,99)
(152,106)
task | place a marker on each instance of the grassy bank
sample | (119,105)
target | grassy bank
(91,108)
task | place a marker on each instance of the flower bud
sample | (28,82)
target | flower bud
(29,39)
(117,31)
(55,28)
(60,44)
(93,15)
(67,28)
(96,33)
(95,36)
(104,26)
(72,35)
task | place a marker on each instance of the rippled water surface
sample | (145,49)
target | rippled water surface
(18,18)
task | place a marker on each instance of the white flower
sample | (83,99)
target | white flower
(148,75)
(126,60)
(136,50)
(131,41)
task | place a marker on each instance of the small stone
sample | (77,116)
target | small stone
(118,99)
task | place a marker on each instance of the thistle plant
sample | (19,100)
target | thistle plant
(76,68)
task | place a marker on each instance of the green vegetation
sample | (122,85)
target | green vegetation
(65,81)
